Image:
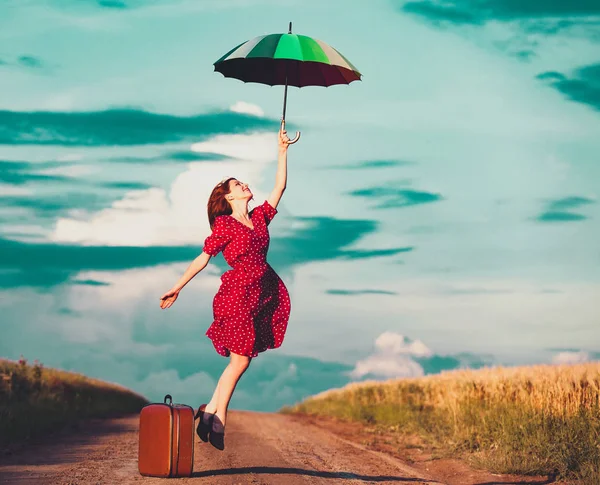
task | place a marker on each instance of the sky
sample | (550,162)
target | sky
(443,212)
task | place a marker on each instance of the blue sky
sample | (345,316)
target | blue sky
(441,213)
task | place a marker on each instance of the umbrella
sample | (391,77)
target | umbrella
(287,60)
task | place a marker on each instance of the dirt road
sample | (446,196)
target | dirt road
(259,449)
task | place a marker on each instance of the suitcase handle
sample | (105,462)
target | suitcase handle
(168,396)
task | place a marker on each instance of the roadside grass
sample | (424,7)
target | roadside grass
(35,400)
(534,420)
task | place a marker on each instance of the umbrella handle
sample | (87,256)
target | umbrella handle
(293,140)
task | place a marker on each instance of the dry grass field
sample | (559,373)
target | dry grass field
(35,400)
(535,420)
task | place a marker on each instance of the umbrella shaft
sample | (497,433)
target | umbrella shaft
(284,99)
(286,84)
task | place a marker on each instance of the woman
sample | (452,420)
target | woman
(252,306)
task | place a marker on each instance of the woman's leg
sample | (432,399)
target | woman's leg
(211,407)
(229,379)
(237,361)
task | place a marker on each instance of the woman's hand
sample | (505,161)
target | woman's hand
(168,298)
(284,141)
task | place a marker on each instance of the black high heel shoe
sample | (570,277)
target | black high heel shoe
(203,429)
(217,438)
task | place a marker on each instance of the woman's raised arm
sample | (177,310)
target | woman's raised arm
(281,175)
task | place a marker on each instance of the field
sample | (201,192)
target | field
(35,400)
(525,420)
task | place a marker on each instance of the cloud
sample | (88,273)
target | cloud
(141,227)
(26,61)
(398,344)
(571,357)
(173,156)
(19,173)
(90,282)
(458,289)
(551,216)
(30,61)
(157,384)
(116,331)
(392,358)
(392,197)
(68,193)
(397,356)
(124,185)
(176,216)
(115,15)
(118,4)
(325,238)
(121,127)
(360,292)
(372,164)
(525,54)
(271,382)
(29,173)
(51,206)
(49,264)
(45,265)
(463,360)
(275,380)
(442,13)
(516,27)
(476,12)
(558,210)
(551,76)
(583,87)
(247,108)
(566,355)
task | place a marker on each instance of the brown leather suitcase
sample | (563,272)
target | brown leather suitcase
(166,440)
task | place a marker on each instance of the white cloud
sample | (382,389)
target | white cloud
(8,189)
(260,147)
(392,358)
(394,343)
(71,170)
(70,157)
(60,102)
(248,108)
(187,7)
(109,19)
(177,216)
(509,318)
(186,391)
(107,313)
(387,366)
(569,357)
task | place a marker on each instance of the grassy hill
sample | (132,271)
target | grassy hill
(35,400)
(534,420)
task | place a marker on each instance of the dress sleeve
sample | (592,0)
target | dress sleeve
(268,210)
(216,242)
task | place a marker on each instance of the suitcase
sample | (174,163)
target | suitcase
(166,440)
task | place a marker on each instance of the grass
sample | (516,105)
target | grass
(535,420)
(35,400)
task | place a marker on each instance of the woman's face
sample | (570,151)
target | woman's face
(238,191)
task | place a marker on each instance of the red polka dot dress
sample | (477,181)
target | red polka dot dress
(252,307)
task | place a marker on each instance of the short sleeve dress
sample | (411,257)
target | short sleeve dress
(252,306)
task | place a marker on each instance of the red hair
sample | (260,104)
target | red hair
(217,204)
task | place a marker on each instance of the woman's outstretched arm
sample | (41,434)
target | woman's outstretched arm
(192,270)
(281,175)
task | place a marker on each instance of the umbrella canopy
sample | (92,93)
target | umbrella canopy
(295,60)
(288,60)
